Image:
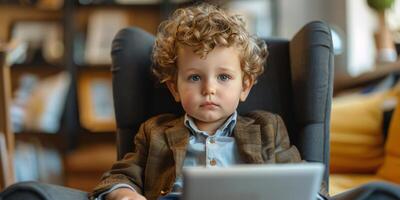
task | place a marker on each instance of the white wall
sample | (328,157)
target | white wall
(259,19)
(353,17)
(361,25)
(293,14)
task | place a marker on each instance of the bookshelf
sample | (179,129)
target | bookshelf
(74,21)
(73,18)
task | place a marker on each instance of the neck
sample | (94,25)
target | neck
(209,127)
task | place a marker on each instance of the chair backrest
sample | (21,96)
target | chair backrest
(296,84)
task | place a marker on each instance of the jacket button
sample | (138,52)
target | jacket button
(213,162)
(163,192)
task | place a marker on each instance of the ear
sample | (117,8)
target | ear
(173,88)
(247,85)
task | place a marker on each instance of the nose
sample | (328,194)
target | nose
(208,88)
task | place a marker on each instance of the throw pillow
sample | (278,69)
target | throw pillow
(356,133)
(391,165)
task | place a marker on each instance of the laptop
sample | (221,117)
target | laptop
(253,182)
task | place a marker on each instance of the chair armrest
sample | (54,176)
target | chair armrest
(40,191)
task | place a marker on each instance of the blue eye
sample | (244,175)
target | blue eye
(224,77)
(194,77)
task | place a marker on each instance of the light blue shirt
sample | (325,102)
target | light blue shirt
(217,150)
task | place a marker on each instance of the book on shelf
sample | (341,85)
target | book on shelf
(103,25)
(34,162)
(38,104)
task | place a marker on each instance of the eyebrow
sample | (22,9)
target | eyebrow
(189,69)
(226,69)
(219,68)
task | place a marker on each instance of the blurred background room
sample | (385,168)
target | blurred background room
(56,106)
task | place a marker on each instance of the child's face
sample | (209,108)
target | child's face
(209,89)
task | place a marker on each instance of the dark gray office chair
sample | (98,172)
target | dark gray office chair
(296,84)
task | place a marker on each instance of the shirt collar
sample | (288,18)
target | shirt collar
(224,130)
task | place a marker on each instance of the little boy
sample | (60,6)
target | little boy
(209,62)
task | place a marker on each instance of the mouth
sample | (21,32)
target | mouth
(209,105)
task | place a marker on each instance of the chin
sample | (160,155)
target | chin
(211,119)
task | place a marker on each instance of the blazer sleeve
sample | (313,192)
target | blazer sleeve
(128,170)
(284,151)
(287,153)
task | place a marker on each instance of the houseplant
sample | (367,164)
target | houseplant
(386,51)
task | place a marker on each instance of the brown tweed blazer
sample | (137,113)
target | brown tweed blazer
(160,148)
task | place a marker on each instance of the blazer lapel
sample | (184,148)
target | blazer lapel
(248,139)
(178,139)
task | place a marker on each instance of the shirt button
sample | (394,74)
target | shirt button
(213,162)
(212,140)
(163,192)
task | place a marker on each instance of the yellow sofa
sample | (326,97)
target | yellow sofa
(359,153)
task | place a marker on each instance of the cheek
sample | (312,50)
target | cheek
(188,103)
(232,95)
(232,102)
(187,106)
(188,97)
(232,90)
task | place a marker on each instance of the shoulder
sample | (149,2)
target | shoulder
(154,128)
(261,117)
(162,120)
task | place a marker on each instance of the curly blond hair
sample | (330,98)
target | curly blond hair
(204,27)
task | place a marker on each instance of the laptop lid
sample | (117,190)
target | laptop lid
(256,182)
